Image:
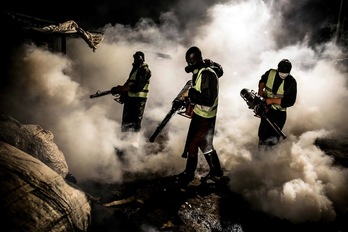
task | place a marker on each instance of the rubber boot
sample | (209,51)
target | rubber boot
(188,175)
(214,165)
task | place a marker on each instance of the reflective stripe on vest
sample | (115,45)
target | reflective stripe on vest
(205,111)
(145,91)
(279,93)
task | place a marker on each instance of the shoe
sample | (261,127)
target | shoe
(212,176)
(271,141)
(184,178)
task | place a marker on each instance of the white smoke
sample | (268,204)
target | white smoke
(294,180)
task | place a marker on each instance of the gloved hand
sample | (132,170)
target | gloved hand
(193,94)
(260,109)
(177,104)
(114,90)
(117,90)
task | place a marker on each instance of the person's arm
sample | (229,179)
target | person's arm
(119,89)
(262,84)
(261,88)
(277,101)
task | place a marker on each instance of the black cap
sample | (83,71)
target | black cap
(284,66)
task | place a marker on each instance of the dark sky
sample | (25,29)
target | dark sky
(99,13)
(320,15)
(95,13)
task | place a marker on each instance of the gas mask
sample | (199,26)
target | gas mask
(283,75)
(139,58)
(193,59)
(191,68)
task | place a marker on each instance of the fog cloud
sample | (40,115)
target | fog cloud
(295,180)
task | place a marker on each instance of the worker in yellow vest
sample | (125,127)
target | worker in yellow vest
(204,95)
(279,88)
(135,92)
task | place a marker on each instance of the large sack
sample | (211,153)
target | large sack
(35,198)
(35,141)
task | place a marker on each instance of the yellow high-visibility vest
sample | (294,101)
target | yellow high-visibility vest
(278,94)
(145,91)
(205,111)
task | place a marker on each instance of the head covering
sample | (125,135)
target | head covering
(139,53)
(284,66)
(193,55)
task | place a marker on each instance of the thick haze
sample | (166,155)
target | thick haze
(295,180)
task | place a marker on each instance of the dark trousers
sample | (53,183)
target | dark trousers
(266,131)
(133,111)
(200,135)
